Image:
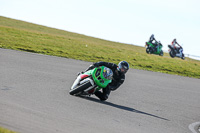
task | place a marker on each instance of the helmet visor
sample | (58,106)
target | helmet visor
(123,70)
(107,73)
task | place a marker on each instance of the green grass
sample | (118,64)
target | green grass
(19,35)
(3,130)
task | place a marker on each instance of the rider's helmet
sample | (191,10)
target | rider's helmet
(175,39)
(123,66)
(152,35)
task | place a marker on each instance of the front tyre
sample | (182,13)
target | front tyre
(183,57)
(80,88)
(161,53)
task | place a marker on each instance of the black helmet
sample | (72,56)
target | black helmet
(123,66)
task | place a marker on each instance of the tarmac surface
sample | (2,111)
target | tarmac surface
(34,98)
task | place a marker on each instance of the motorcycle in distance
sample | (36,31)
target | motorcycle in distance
(151,49)
(175,52)
(91,81)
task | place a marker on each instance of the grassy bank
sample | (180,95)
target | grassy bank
(30,37)
(3,130)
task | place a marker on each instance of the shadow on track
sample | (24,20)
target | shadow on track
(120,107)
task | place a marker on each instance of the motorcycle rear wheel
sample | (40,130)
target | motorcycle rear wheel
(171,54)
(80,88)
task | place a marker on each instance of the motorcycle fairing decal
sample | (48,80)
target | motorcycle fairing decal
(83,76)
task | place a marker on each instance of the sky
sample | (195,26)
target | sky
(125,21)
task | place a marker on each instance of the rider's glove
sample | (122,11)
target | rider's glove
(96,65)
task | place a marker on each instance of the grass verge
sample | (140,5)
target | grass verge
(3,130)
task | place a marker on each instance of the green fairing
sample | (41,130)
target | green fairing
(159,49)
(99,79)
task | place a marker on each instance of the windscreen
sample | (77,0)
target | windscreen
(107,73)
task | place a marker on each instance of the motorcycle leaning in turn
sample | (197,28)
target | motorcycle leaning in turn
(89,82)
(174,52)
(152,49)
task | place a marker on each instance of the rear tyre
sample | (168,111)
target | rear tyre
(147,50)
(171,53)
(80,88)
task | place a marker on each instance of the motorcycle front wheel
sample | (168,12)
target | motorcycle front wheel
(80,88)
(161,53)
(183,57)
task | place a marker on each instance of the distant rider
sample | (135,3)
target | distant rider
(179,48)
(118,77)
(151,39)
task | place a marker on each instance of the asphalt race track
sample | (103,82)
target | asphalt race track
(34,98)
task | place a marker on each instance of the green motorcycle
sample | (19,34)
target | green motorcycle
(91,81)
(151,49)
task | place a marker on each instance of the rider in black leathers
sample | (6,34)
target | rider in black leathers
(155,43)
(118,77)
(152,38)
